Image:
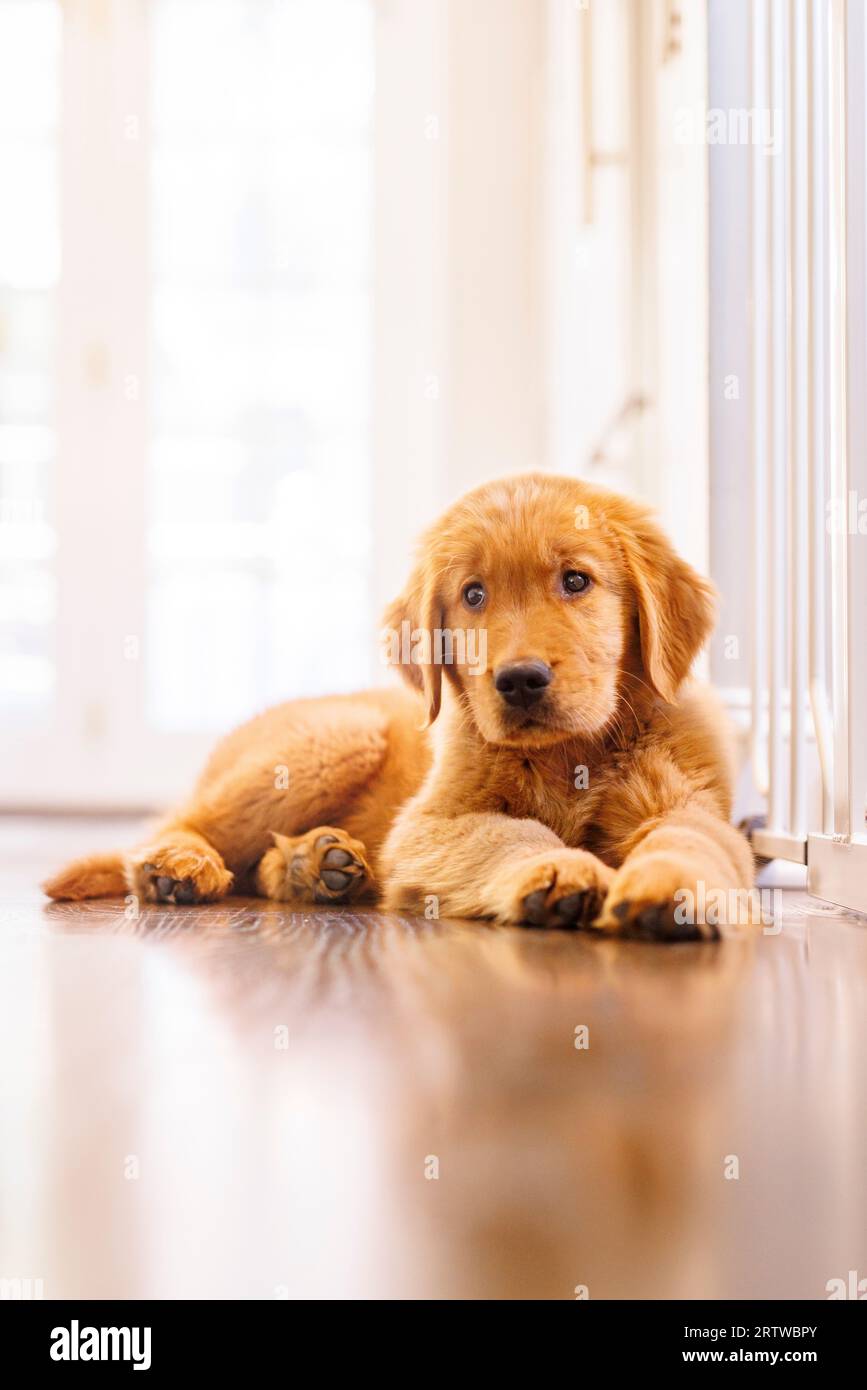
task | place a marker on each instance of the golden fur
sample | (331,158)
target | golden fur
(593,808)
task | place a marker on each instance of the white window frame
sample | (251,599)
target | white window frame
(96,749)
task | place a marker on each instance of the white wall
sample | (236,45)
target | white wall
(460,355)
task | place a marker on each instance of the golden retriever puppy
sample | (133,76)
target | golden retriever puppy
(549,764)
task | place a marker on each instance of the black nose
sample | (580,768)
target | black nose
(523,683)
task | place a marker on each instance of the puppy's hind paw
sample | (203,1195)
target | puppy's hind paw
(180,873)
(323,866)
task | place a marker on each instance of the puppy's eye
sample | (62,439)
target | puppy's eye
(474,595)
(576,581)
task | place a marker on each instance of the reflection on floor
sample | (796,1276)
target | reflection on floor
(248,1101)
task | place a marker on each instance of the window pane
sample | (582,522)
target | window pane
(259,534)
(29,269)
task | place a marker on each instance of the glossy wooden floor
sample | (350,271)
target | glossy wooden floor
(248,1101)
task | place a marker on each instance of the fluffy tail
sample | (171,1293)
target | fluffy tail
(95,876)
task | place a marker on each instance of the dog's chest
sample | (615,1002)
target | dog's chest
(552,788)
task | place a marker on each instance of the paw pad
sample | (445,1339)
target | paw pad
(572,910)
(657,922)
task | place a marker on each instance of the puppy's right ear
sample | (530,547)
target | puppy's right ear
(395,636)
(409,624)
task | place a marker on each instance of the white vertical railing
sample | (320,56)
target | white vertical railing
(809,298)
(800,327)
(818,196)
(856,420)
(778,371)
(761,357)
(837,266)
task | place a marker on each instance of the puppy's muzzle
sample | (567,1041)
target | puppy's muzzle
(523,683)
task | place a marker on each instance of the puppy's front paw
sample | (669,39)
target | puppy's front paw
(560,888)
(653,899)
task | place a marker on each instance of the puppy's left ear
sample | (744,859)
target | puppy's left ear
(676,606)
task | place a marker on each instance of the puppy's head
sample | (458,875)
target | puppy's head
(539,598)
